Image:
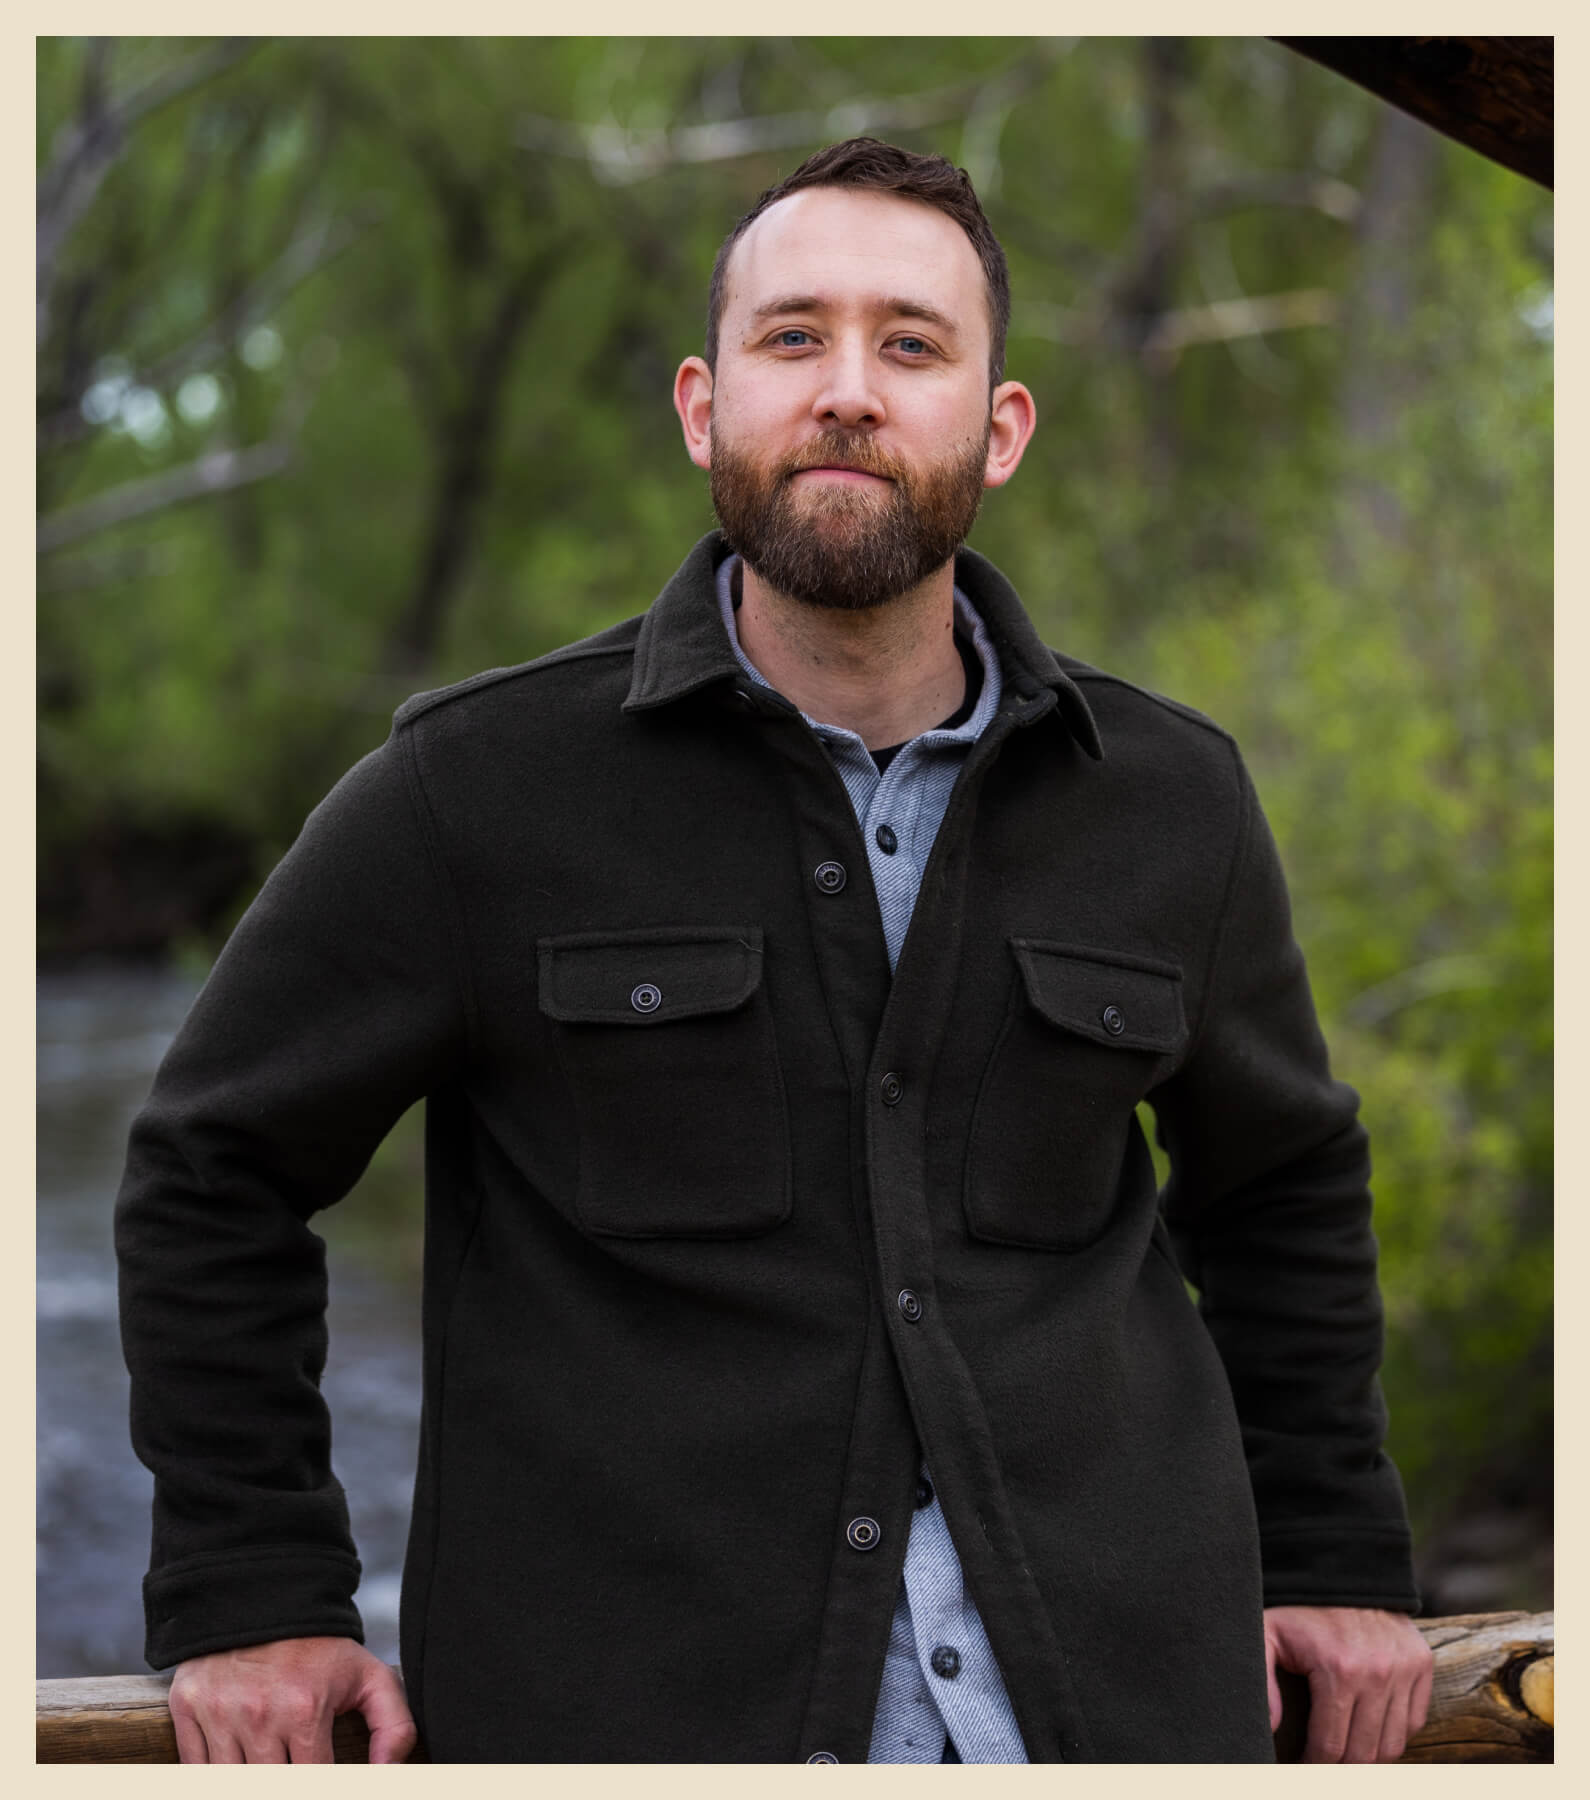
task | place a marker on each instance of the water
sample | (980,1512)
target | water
(100,1035)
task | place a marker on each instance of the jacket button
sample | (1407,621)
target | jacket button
(888,843)
(863,1533)
(822,1756)
(910,1306)
(891,1088)
(946,1661)
(1114,1020)
(646,998)
(924,1491)
(829,876)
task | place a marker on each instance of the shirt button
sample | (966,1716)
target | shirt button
(891,1088)
(822,1756)
(888,843)
(1114,1020)
(863,1533)
(829,876)
(946,1661)
(910,1306)
(646,998)
(924,1491)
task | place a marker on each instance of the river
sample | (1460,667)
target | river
(100,1036)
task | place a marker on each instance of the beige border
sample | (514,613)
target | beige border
(929,17)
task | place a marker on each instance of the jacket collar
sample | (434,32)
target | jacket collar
(683,647)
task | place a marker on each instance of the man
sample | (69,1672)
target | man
(809,1374)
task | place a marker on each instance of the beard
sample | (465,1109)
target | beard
(847,548)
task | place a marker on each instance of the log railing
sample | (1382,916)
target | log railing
(1492,1703)
(1492,1699)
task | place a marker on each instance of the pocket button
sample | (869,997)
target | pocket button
(1114,1020)
(646,998)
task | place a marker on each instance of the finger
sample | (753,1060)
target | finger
(1368,1720)
(1330,1714)
(191,1747)
(264,1748)
(1275,1686)
(311,1743)
(386,1712)
(223,1747)
(303,1717)
(1394,1727)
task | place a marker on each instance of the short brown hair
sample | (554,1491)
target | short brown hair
(866,162)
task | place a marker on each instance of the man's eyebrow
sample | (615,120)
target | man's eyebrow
(899,304)
(919,309)
(786,303)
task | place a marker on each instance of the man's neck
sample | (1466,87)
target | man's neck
(888,673)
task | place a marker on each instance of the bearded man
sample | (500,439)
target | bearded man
(809,1370)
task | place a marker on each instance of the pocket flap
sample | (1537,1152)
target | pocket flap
(648,977)
(1127,1002)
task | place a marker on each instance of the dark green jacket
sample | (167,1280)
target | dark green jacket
(689,1147)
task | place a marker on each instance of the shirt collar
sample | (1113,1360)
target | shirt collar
(683,645)
(966,620)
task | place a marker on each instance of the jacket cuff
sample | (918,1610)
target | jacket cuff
(230,1599)
(1327,1563)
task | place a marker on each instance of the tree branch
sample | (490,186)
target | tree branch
(1323,193)
(213,473)
(90,145)
(619,155)
(320,244)
(1174,331)
(465,468)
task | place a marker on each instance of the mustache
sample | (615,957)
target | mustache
(845,450)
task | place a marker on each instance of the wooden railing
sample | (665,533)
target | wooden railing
(1492,1703)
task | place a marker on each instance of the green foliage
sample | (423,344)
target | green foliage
(1335,538)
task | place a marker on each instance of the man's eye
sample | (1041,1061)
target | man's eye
(913,346)
(794,333)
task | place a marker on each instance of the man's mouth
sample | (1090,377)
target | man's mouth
(841,472)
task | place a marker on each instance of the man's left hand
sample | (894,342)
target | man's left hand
(1369,1678)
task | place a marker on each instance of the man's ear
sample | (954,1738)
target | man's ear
(693,403)
(1013,419)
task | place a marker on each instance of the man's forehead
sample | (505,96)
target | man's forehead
(840,243)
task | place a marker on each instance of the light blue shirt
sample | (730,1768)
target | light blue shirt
(965,1692)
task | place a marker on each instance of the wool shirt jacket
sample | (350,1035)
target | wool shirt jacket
(727,1230)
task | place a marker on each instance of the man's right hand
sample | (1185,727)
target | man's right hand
(274,1703)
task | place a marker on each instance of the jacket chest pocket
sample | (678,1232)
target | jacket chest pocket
(667,1041)
(1088,1033)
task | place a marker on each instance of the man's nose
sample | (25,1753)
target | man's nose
(849,393)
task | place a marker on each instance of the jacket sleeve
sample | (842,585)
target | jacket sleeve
(335,1005)
(1268,1208)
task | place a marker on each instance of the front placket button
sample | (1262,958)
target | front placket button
(863,1533)
(910,1306)
(891,1088)
(822,1756)
(946,1661)
(829,876)
(888,843)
